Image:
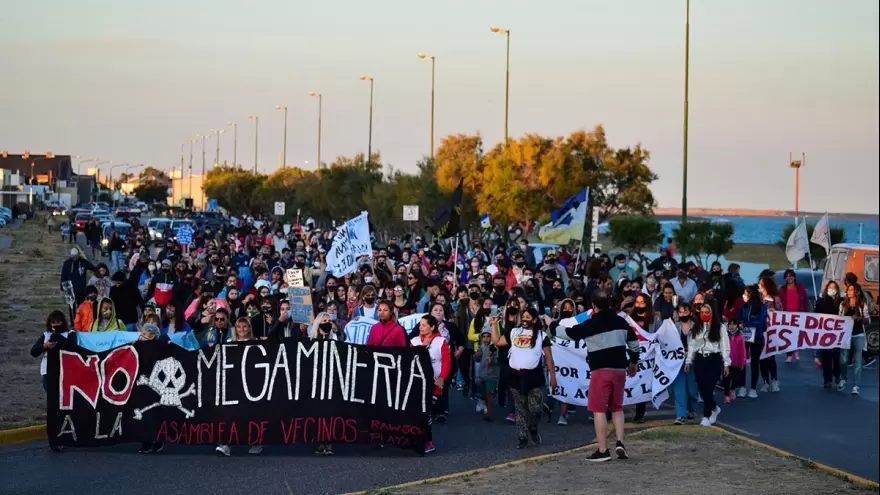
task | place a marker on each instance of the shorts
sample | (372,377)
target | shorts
(606,391)
(488,386)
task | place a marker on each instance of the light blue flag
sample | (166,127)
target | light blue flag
(104,341)
(186,340)
(358,331)
(485,221)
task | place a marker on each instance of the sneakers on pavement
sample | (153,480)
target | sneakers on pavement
(765,388)
(855,390)
(536,438)
(714,416)
(705,422)
(598,456)
(727,399)
(752,394)
(429,447)
(841,385)
(511,418)
(774,386)
(620,450)
(741,392)
(679,421)
(523,443)
(223,449)
(563,421)
(255,449)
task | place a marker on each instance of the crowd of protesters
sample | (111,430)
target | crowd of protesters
(489,314)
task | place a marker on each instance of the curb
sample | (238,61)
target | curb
(543,457)
(22,435)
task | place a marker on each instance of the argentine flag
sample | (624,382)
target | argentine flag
(485,221)
(567,223)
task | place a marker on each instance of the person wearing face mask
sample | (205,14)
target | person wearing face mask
(464,316)
(709,355)
(127,297)
(620,268)
(499,291)
(438,348)
(551,265)
(566,309)
(367,308)
(74,270)
(685,385)
(105,319)
(685,288)
(55,334)
(829,304)
(162,285)
(85,312)
(324,328)
(642,313)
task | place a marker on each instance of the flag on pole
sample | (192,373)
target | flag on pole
(485,221)
(568,221)
(798,246)
(447,219)
(822,234)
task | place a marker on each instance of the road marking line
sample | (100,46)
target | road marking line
(738,430)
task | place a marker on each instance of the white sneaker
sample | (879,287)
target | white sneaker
(774,386)
(224,449)
(705,422)
(741,392)
(700,399)
(765,387)
(714,416)
(855,390)
(563,421)
(753,394)
(256,449)
(841,385)
(481,406)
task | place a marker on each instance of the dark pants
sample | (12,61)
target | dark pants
(735,379)
(707,369)
(830,364)
(503,392)
(641,408)
(765,367)
(443,401)
(466,366)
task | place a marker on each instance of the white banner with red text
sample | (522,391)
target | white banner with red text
(790,331)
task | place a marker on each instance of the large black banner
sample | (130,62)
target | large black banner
(240,394)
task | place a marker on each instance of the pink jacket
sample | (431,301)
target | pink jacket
(737,350)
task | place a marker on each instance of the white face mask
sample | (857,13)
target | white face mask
(832,292)
(745,298)
(368,280)
(152,268)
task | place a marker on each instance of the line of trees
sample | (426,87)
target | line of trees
(521,183)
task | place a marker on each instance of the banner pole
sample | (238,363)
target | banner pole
(810,258)
(455,261)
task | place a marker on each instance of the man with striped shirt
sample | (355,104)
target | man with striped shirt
(612,353)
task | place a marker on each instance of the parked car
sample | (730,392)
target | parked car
(862,260)
(156,229)
(81,220)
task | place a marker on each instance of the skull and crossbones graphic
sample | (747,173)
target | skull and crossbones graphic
(168,380)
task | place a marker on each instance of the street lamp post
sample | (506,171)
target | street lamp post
(796,165)
(191,142)
(234,142)
(203,137)
(370,138)
(284,150)
(181,162)
(217,150)
(256,120)
(320,111)
(433,60)
(496,29)
(684,154)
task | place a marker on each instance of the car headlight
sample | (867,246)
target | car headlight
(104,242)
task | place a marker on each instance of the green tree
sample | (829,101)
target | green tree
(234,189)
(151,193)
(699,238)
(838,236)
(636,234)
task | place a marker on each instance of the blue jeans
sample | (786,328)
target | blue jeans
(855,350)
(116,261)
(685,389)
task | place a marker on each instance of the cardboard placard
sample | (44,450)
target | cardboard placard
(301,305)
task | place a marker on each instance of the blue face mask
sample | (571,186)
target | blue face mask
(621,265)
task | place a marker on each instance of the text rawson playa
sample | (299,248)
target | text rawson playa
(240,394)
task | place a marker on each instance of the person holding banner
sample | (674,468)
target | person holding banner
(829,304)
(386,332)
(642,313)
(685,383)
(709,354)
(856,307)
(772,302)
(526,373)
(438,348)
(323,328)
(456,341)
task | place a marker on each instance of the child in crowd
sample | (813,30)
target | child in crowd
(85,312)
(735,381)
(488,371)
(65,231)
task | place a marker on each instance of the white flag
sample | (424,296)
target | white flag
(352,241)
(822,234)
(797,246)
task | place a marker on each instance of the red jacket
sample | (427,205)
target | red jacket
(794,299)
(387,334)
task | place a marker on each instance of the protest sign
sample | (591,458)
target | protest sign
(103,341)
(244,393)
(411,322)
(352,241)
(661,356)
(358,331)
(790,331)
(301,310)
(294,277)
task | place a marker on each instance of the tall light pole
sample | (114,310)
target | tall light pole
(684,155)
(320,111)
(496,29)
(217,151)
(796,165)
(284,149)
(234,142)
(433,60)
(191,142)
(181,162)
(370,139)
(256,120)
(203,137)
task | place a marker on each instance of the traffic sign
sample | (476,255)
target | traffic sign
(279,207)
(410,213)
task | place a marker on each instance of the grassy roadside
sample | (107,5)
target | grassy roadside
(29,278)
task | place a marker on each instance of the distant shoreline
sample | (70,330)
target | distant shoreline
(742,212)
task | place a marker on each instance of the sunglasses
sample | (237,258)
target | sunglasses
(219,319)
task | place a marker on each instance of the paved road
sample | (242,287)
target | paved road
(827,426)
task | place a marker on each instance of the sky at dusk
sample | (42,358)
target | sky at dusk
(130,81)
